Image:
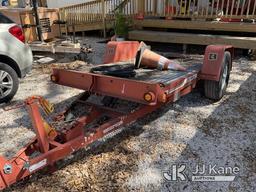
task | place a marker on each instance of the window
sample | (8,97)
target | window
(4,19)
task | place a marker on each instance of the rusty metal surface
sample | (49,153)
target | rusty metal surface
(165,77)
(97,121)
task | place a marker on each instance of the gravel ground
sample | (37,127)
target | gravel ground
(193,131)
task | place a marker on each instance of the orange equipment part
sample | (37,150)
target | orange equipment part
(115,51)
(50,131)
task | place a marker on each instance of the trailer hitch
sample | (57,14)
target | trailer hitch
(47,107)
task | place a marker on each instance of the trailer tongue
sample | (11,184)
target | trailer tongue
(108,103)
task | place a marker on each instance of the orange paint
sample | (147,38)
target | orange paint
(120,51)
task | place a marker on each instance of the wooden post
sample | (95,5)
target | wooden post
(74,32)
(103,18)
(155,7)
(43,3)
(141,9)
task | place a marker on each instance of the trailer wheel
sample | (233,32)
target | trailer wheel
(252,54)
(215,90)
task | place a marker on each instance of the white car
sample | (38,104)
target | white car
(15,58)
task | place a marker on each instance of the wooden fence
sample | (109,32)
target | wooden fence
(200,9)
(103,10)
(96,11)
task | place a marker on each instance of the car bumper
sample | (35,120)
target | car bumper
(27,62)
(25,71)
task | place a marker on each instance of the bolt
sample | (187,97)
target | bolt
(7,169)
(26,165)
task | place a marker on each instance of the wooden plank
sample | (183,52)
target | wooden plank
(88,27)
(103,18)
(54,48)
(197,25)
(196,39)
(53,15)
(30,33)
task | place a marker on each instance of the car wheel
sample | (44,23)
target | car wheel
(9,83)
(215,90)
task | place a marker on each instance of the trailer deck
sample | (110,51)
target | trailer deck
(165,77)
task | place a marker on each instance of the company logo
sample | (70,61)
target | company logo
(177,172)
(201,173)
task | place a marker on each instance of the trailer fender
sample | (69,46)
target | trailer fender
(213,61)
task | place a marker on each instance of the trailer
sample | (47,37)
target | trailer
(110,101)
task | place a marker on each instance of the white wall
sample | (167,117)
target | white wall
(63,3)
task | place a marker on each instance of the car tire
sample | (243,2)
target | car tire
(9,83)
(215,90)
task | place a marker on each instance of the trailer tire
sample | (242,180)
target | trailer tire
(252,54)
(215,90)
(11,77)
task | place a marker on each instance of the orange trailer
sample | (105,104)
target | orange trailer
(140,94)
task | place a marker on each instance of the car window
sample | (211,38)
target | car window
(4,19)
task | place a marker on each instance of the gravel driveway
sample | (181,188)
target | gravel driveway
(192,131)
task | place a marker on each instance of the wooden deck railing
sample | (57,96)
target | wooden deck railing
(96,11)
(103,10)
(201,9)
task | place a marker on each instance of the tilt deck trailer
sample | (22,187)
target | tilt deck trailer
(120,101)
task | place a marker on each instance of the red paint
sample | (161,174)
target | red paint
(140,16)
(170,10)
(211,69)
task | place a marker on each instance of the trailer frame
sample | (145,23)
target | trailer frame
(45,150)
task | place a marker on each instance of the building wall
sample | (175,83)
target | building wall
(63,3)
